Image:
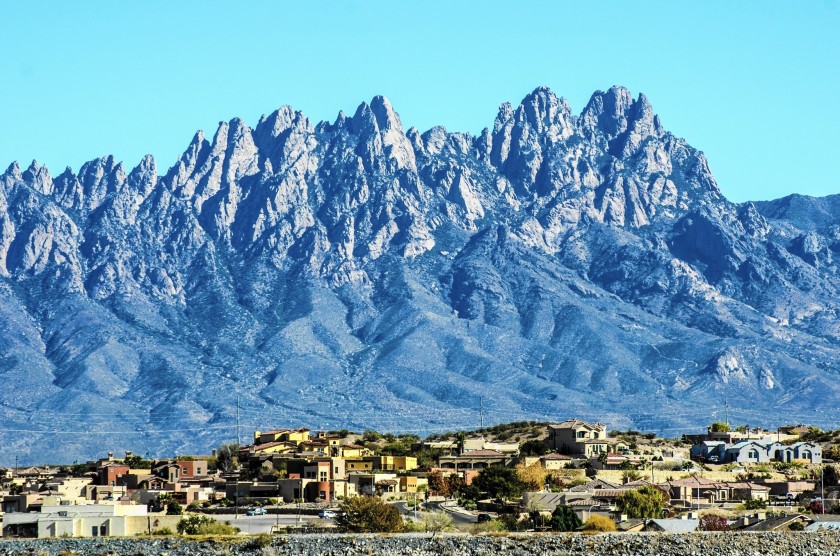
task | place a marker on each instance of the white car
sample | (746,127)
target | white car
(327,514)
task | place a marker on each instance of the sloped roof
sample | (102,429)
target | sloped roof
(555,456)
(576,424)
(593,485)
(676,525)
(775,522)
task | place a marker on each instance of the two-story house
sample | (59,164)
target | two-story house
(577,437)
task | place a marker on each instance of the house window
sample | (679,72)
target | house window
(806,455)
(753,454)
(103,531)
(581,434)
(94,531)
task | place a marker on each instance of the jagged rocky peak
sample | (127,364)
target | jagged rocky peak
(39,178)
(282,137)
(382,139)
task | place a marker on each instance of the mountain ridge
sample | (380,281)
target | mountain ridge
(358,274)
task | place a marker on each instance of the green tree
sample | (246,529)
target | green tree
(719,426)
(645,502)
(564,518)
(499,482)
(368,514)
(533,448)
(371,436)
(830,476)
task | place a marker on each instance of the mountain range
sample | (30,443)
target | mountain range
(355,274)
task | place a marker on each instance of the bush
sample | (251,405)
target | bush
(433,522)
(368,514)
(711,522)
(755,504)
(203,525)
(261,541)
(193,507)
(174,508)
(163,532)
(718,426)
(599,524)
(533,448)
(797,526)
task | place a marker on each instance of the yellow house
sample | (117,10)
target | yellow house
(408,483)
(393,463)
(357,464)
(274,448)
(281,435)
(350,451)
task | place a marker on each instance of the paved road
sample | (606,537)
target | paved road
(458,518)
(253,524)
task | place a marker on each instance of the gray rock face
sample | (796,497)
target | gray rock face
(355,274)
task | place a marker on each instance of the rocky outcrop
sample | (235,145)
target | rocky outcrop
(357,274)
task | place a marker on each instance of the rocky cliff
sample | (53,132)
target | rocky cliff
(357,274)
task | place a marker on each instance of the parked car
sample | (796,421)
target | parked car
(327,514)
(256,511)
(484,518)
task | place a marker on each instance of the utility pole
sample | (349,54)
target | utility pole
(725,405)
(481,411)
(238,436)
(822,489)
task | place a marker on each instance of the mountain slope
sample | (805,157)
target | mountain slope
(355,274)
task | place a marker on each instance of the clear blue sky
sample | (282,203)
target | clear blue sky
(754,84)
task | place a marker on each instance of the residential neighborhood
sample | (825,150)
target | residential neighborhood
(526,476)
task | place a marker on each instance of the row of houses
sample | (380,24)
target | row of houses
(763,450)
(302,465)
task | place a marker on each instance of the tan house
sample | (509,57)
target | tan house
(577,437)
(697,490)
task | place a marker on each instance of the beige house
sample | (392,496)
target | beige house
(86,520)
(577,437)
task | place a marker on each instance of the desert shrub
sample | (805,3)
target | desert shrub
(368,514)
(599,524)
(203,525)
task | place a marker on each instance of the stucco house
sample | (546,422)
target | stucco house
(576,436)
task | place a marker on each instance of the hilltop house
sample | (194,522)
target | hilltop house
(579,438)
